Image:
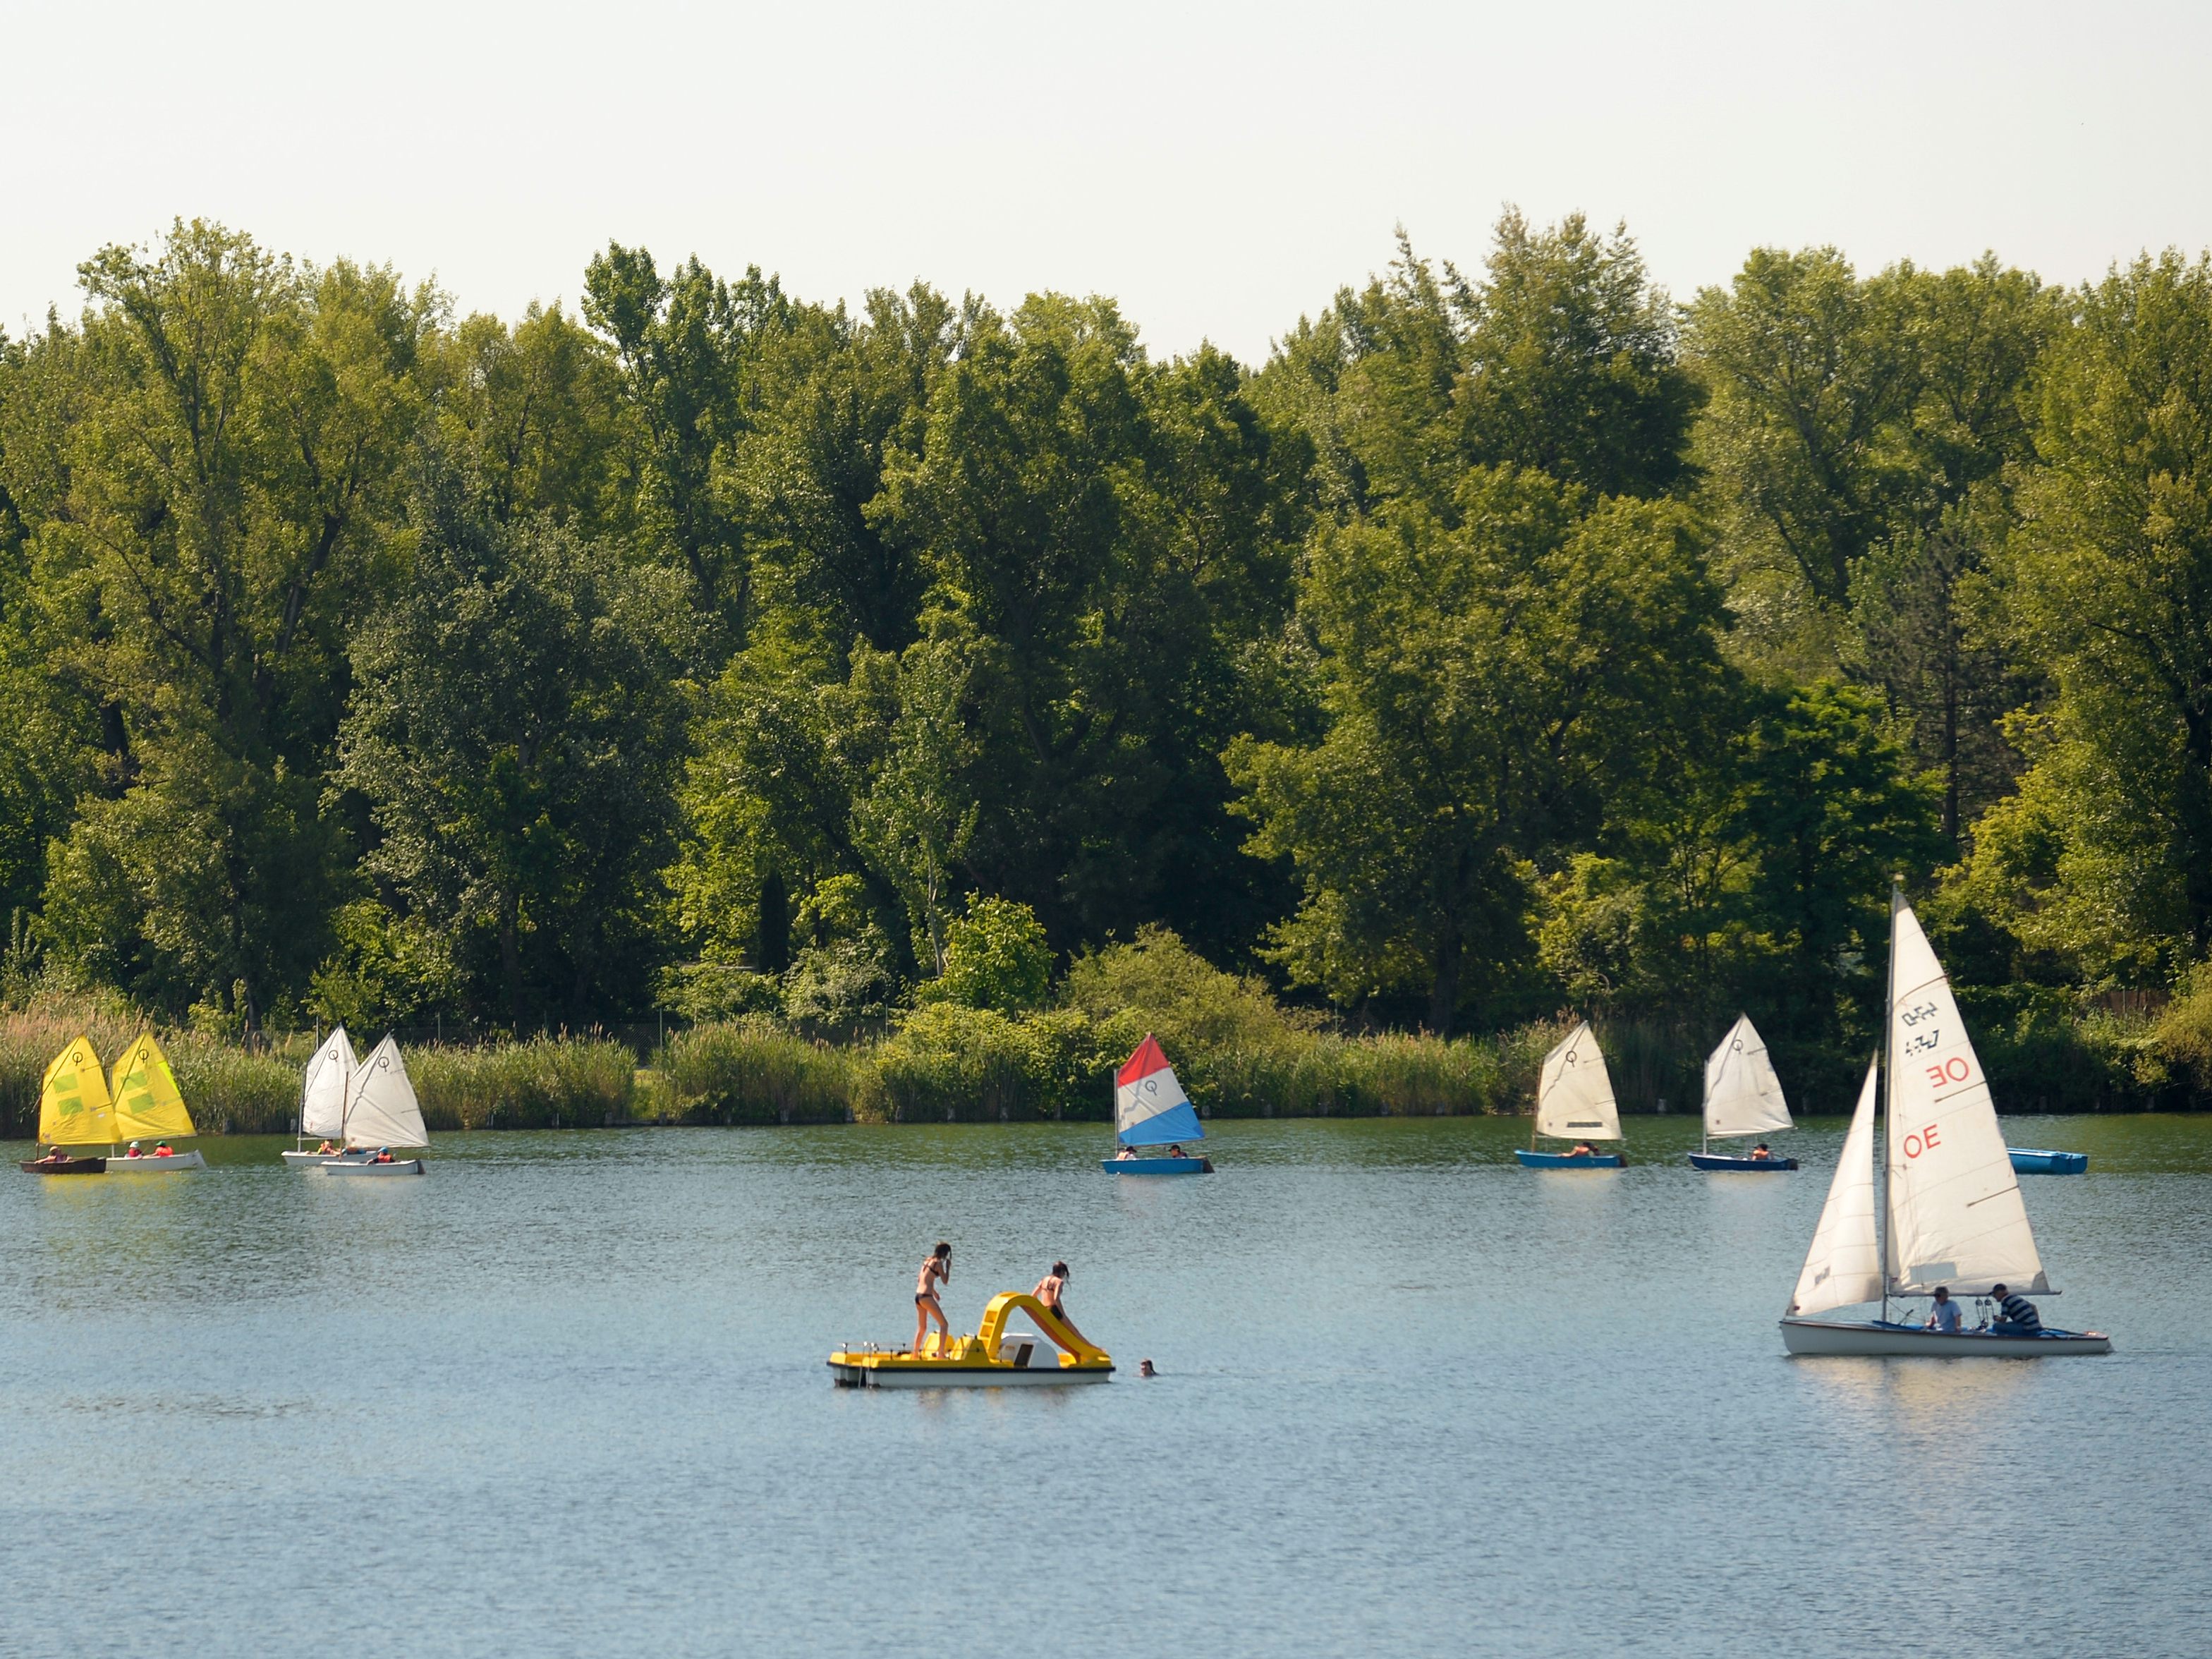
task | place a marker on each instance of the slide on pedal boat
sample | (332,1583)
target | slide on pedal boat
(2035,1160)
(1724,1161)
(1878,1338)
(993,1357)
(1569,1160)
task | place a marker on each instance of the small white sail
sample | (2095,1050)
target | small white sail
(1955,1214)
(1845,1264)
(1574,1101)
(382,1110)
(323,1095)
(1742,1095)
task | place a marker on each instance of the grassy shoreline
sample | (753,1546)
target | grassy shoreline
(952,1065)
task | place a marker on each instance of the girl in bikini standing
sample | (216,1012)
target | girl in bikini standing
(936,1269)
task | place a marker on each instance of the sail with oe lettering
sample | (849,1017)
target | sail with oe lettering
(1955,1213)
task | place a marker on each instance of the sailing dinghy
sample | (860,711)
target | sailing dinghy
(1951,1213)
(74,1111)
(380,1112)
(1574,1102)
(1151,1111)
(323,1091)
(148,1106)
(1743,1098)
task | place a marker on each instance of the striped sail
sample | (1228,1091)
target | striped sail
(74,1109)
(147,1103)
(1150,1108)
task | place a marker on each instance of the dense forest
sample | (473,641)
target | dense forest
(1507,642)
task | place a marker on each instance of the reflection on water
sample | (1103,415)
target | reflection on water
(566,1395)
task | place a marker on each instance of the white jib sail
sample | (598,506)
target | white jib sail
(1574,1102)
(1845,1264)
(1955,1214)
(382,1110)
(1742,1095)
(323,1095)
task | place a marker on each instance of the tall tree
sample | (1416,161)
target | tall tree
(517,732)
(1487,685)
(230,499)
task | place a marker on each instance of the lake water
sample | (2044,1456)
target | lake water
(567,1396)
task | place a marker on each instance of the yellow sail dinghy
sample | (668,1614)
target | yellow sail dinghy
(993,1357)
(80,1108)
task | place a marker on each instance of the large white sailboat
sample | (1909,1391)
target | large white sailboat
(1950,1211)
(1574,1102)
(1743,1097)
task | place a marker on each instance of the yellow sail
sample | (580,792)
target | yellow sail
(148,1105)
(74,1109)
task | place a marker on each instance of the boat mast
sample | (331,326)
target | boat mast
(1888,1092)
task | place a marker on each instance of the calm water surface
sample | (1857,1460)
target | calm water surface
(566,1396)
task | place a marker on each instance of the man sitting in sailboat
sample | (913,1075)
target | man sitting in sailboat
(1761,1152)
(1944,1315)
(2016,1314)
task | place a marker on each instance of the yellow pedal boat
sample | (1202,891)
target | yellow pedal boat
(993,1357)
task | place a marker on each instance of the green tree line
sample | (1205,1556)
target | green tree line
(1511,639)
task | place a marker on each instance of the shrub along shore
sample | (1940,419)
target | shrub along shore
(1238,1052)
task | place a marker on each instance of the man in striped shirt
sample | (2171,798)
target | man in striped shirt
(2016,1314)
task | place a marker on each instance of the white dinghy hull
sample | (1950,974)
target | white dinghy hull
(309,1160)
(1874,1339)
(353,1166)
(147,1164)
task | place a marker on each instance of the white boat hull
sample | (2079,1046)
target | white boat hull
(307,1160)
(145,1164)
(350,1167)
(1873,1339)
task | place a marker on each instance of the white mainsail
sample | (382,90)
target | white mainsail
(323,1095)
(1742,1095)
(1845,1264)
(1574,1101)
(382,1110)
(1955,1214)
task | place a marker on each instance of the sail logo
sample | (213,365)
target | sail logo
(1954,1070)
(1922,1141)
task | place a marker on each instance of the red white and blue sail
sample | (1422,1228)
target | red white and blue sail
(1150,1108)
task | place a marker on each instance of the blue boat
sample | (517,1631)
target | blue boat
(1170,1166)
(1743,1099)
(2034,1160)
(1532,1160)
(1151,1112)
(1574,1102)
(1749,1165)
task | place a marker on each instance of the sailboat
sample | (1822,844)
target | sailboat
(1953,1214)
(1151,1111)
(323,1089)
(1574,1102)
(379,1112)
(1743,1098)
(148,1106)
(74,1110)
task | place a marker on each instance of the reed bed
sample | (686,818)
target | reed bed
(541,1083)
(747,1071)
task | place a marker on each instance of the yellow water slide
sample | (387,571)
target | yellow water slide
(148,1104)
(74,1108)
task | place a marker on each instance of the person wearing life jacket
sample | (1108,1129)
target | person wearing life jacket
(383,1155)
(2016,1314)
(327,1151)
(162,1149)
(134,1151)
(1581,1149)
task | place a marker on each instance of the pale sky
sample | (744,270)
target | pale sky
(1219,169)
